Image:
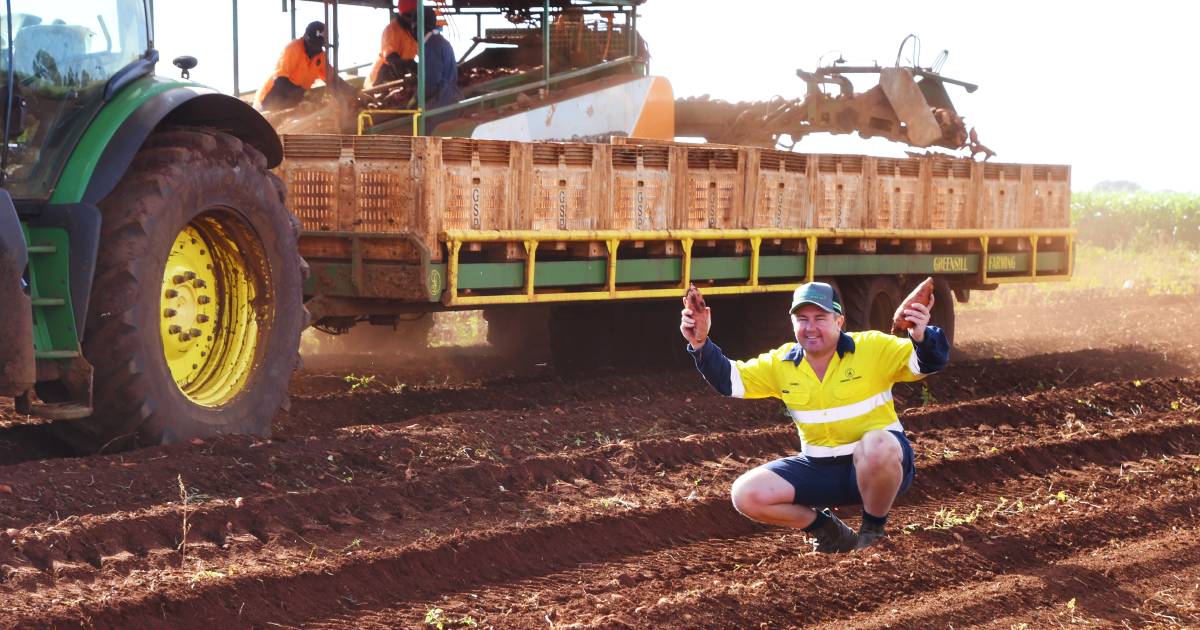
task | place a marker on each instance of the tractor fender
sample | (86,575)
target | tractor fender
(181,104)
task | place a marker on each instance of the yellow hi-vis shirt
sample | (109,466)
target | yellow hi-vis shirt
(854,397)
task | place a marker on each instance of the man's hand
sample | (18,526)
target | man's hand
(695,326)
(918,314)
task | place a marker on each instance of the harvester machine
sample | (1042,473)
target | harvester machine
(909,104)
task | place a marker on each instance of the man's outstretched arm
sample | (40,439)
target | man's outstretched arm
(933,351)
(717,370)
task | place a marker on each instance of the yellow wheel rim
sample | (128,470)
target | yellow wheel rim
(209,329)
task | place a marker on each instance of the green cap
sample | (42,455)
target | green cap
(817,293)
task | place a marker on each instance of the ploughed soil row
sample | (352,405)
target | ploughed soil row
(385,523)
(1057,484)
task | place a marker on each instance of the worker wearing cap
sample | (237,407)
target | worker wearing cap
(837,388)
(300,65)
(397,47)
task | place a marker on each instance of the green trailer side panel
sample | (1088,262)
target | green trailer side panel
(722,268)
(82,164)
(874,264)
(510,275)
(336,278)
(1052,262)
(639,270)
(569,273)
(781,267)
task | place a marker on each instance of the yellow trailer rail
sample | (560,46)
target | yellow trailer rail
(1000,267)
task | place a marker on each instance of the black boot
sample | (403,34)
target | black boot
(869,534)
(832,535)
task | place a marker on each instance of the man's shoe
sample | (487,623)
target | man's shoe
(834,536)
(869,534)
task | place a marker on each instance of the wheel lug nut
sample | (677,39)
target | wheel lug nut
(184,337)
(202,318)
(178,279)
(204,299)
(170,312)
(195,332)
(172,293)
(174,329)
(199,284)
(190,275)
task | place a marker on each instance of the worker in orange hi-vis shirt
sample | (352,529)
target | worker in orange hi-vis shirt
(303,62)
(397,47)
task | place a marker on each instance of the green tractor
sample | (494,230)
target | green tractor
(150,285)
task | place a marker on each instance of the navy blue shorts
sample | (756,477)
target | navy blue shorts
(831,481)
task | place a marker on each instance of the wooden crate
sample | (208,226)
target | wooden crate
(1001,196)
(898,193)
(351,183)
(840,201)
(1050,205)
(642,186)
(951,189)
(310,172)
(712,191)
(472,184)
(385,185)
(779,194)
(568,186)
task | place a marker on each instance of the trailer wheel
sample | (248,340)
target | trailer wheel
(581,336)
(943,308)
(870,303)
(196,309)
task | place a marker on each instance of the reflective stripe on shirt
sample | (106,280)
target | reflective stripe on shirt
(735,381)
(845,412)
(914,365)
(812,450)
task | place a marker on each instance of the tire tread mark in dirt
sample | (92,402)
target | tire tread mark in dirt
(490,553)
(932,560)
(1155,556)
(943,565)
(944,562)
(376,449)
(157,526)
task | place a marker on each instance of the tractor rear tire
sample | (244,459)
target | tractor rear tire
(197,308)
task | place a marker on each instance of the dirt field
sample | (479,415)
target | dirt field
(1058,483)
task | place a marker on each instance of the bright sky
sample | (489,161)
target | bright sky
(1101,85)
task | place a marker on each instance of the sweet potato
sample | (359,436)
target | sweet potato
(693,300)
(923,294)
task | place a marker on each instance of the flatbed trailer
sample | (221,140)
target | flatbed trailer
(394,226)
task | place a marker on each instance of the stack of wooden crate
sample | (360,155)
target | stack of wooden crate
(425,186)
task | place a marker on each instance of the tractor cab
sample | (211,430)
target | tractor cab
(67,60)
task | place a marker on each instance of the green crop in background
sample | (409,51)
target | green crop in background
(1139,220)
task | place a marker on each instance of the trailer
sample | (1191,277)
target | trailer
(546,237)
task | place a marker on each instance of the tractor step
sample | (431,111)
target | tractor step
(56,354)
(60,411)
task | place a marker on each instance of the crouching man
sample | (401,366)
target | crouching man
(837,387)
